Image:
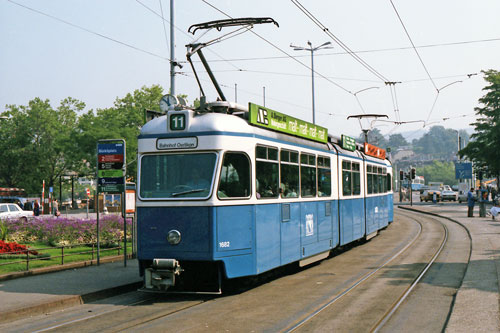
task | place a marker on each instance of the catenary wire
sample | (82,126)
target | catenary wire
(283,51)
(164,27)
(413,45)
(326,54)
(338,41)
(186,34)
(88,30)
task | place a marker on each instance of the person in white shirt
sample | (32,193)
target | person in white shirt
(495,210)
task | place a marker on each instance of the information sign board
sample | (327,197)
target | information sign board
(264,117)
(463,170)
(110,173)
(348,143)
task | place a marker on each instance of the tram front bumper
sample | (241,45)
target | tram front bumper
(162,274)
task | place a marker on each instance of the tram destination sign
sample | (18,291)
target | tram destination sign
(273,120)
(374,151)
(348,143)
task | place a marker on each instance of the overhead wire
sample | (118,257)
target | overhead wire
(282,51)
(338,41)
(88,30)
(164,27)
(186,34)
(413,46)
(326,54)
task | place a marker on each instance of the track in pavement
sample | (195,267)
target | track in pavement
(275,305)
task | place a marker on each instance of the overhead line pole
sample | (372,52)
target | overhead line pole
(172,49)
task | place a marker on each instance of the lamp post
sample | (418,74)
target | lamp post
(312,49)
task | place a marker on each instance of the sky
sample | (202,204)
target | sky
(97,51)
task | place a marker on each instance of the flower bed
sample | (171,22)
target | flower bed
(56,231)
(13,248)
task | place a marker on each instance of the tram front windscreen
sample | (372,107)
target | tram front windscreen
(177,176)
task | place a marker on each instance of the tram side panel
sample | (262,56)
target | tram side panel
(267,234)
(234,239)
(290,232)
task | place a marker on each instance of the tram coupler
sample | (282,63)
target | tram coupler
(162,274)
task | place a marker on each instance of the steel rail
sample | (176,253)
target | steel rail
(354,285)
(410,288)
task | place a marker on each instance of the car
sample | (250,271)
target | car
(11,210)
(428,194)
(449,195)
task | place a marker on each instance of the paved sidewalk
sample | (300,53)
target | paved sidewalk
(39,294)
(476,307)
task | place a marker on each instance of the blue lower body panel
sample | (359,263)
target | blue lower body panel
(352,220)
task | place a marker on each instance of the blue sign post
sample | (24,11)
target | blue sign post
(463,170)
(111,171)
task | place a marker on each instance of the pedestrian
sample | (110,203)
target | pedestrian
(495,210)
(493,194)
(470,202)
(36,208)
(55,208)
(434,197)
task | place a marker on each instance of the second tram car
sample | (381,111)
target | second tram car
(226,192)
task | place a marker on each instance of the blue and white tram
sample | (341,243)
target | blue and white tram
(221,197)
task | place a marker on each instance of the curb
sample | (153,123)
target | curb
(65,302)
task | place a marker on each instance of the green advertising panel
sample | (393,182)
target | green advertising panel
(267,118)
(348,143)
(110,173)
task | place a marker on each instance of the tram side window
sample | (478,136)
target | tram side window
(356,179)
(324,177)
(267,172)
(235,176)
(380,181)
(289,174)
(389,182)
(346,178)
(307,175)
(369,179)
(384,180)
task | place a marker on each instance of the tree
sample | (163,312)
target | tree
(396,141)
(122,121)
(483,149)
(438,143)
(438,172)
(39,143)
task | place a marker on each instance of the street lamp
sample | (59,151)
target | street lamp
(312,49)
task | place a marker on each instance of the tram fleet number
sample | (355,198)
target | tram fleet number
(224,244)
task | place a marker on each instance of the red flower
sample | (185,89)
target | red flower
(14,247)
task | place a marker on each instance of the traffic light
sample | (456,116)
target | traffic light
(480,175)
(401,175)
(413,173)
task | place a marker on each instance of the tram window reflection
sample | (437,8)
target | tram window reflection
(289,174)
(235,176)
(307,175)
(267,172)
(177,175)
(324,177)
(346,178)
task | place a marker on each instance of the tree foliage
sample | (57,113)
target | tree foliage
(438,172)
(39,142)
(483,149)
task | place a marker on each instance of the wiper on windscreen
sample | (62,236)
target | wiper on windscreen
(188,192)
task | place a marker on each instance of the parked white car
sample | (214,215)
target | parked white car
(449,195)
(11,210)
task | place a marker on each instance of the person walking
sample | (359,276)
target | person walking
(55,208)
(470,202)
(36,208)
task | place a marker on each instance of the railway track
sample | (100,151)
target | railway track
(317,298)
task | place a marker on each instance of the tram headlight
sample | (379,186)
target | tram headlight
(174,237)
